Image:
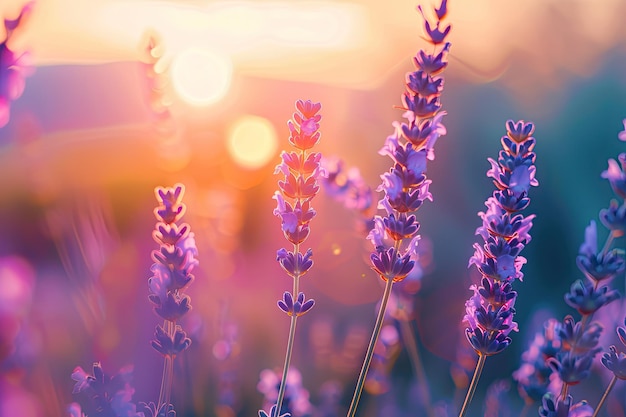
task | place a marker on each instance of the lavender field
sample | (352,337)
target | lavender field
(312,209)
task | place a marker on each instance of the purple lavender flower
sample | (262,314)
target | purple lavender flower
(348,187)
(297,308)
(533,376)
(598,265)
(272,413)
(614,218)
(616,176)
(104,396)
(586,298)
(296,401)
(301,172)
(615,362)
(174,262)
(405,186)
(553,406)
(175,259)
(505,232)
(14,67)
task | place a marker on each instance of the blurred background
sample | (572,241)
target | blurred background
(124,96)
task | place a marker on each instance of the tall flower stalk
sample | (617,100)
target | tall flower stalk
(395,234)
(301,169)
(505,232)
(171,275)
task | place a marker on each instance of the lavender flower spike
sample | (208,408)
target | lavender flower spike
(174,262)
(406,186)
(505,232)
(301,170)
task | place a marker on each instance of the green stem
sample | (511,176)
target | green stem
(370,349)
(604,396)
(290,342)
(168,370)
(564,391)
(283,381)
(409,337)
(607,244)
(472,388)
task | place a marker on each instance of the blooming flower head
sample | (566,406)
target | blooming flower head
(405,186)
(172,269)
(301,170)
(296,401)
(348,187)
(100,395)
(533,376)
(598,266)
(616,176)
(615,362)
(505,232)
(552,406)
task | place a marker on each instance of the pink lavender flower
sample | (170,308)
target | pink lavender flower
(301,170)
(505,232)
(14,67)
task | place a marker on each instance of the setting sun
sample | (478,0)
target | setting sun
(201,77)
(252,141)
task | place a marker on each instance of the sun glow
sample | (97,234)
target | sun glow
(252,141)
(200,76)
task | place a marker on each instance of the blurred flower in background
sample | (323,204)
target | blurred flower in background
(100,124)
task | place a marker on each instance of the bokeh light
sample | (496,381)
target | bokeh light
(252,141)
(101,123)
(200,76)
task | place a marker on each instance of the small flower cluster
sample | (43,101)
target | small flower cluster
(551,406)
(171,272)
(348,187)
(533,376)
(505,232)
(410,146)
(296,401)
(302,171)
(579,345)
(14,67)
(615,361)
(99,395)
(580,339)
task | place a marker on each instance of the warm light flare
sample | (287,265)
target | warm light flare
(252,141)
(200,76)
